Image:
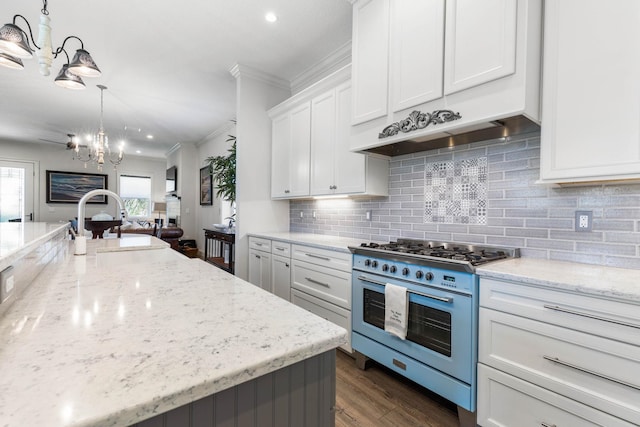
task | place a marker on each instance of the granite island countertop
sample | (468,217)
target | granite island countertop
(113,337)
(595,280)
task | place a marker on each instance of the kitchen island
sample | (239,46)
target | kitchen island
(125,334)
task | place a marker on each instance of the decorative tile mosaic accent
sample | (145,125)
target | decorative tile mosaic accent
(455,192)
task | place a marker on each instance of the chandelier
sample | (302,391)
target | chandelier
(15,46)
(97,149)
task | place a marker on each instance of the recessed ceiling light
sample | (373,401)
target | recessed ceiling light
(271,17)
(149,136)
(138,151)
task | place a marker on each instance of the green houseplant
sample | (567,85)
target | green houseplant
(223,173)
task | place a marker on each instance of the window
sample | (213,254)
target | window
(11,193)
(135,192)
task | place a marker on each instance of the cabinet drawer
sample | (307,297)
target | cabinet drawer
(260,244)
(326,258)
(506,401)
(330,312)
(596,371)
(322,282)
(607,318)
(281,248)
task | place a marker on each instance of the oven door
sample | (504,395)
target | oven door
(441,329)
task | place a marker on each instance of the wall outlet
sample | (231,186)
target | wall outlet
(314,214)
(368,215)
(7,284)
(301,214)
(584,220)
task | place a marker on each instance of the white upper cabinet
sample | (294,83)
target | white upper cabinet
(480,42)
(477,59)
(591,92)
(416,52)
(291,138)
(322,115)
(370,72)
(335,169)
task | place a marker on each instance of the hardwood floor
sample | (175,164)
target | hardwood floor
(379,397)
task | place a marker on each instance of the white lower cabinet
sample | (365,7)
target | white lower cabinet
(270,266)
(260,269)
(509,401)
(548,357)
(281,276)
(321,283)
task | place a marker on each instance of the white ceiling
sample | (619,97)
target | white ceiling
(166,64)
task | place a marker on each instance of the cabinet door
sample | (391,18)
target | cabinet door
(260,269)
(591,92)
(370,60)
(416,54)
(349,167)
(323,136)
(281,276)
(300,146)
(280,156)
(480,42)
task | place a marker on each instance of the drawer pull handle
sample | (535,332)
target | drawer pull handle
(591,316)
(543,424)
(448,300)
(279,249)
(258,256)
(319,257)
(326,285)
(587,371)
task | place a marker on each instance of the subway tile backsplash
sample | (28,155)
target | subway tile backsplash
(538,219)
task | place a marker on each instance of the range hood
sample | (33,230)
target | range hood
(511,126)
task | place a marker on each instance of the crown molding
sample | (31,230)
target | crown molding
(327,65)
(222,129)
(239,70)
(173,149)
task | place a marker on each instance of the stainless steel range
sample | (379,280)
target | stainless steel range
(441,345)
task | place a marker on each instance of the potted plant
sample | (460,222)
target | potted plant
(223,175)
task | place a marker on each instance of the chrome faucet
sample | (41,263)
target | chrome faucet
(81,239)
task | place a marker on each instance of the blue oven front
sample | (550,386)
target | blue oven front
(440,350)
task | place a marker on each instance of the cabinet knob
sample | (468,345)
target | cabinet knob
(286,191)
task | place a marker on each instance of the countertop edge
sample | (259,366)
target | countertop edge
(320,241)
(593,280)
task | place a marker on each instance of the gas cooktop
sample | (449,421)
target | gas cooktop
(439,252)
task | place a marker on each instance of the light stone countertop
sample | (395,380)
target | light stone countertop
(20,238)
(112,338)
(321,241)
(596,280)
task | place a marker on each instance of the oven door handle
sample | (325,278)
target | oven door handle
(448,300)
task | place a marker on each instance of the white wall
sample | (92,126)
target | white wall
(256,93)
(56,157)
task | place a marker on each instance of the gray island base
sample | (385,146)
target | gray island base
(302,394)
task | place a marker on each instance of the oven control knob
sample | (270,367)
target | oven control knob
(405,271)
(393,269)
(419,274)
(385,267)
(428,276)
(367,262)
(374,264)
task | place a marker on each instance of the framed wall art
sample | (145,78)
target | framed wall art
(206,190)
(69,187)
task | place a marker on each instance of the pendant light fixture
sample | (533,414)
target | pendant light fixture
(98,149)
(15,46)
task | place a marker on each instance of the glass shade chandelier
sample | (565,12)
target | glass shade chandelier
(97,149)
(15,46)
